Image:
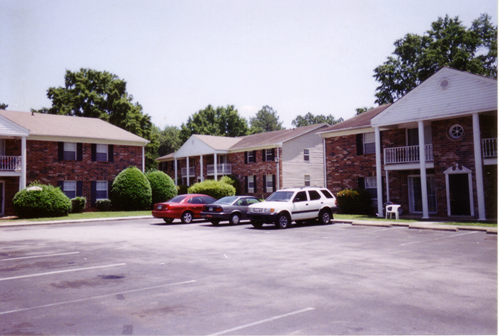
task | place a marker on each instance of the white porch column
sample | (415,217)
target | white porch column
(479,167)
(215,166)
(175,170)
(378,159)
(22,179)
(187,168)
(201,168)
(277,159)
(423,171)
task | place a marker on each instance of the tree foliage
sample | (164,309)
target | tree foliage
(221,121)
(3,106)
(131,190)
(311,119)
(447,43)
(100,94)
(360,110)
(266,120)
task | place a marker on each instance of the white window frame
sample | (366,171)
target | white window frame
(101,151)
(431,184)
(101,186)
(307,180)
(371,183)
(269,154)
(250,154)
(307,156)
(69,147)
(69,187)
(251,184)
(369,143)
(269,183)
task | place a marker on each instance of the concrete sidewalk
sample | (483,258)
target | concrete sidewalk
(440,226)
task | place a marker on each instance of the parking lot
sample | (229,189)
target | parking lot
(142,277)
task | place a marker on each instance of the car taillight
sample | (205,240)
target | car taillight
(161,207)
(218,209)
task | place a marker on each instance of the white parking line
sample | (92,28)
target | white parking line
(63,271)
(261,321)
(94,297)
(441,238)
(41,256)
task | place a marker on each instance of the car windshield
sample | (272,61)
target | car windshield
(177,199)
(280,196)
(226,200)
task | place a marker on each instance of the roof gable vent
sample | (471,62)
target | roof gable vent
(444,83)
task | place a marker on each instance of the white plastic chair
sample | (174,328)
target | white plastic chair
(392,209)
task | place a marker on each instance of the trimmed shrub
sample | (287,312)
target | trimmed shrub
(78,204)
(354,201)
(232,180)
(103,204)
(40,200)
(131,190)
(162,186)
(216,189)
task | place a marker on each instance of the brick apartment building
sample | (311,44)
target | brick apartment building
(81,155)
(434,151)
(262,162)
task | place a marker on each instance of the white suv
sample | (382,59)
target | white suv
(294,204)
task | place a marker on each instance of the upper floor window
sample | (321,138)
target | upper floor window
(369,143)
(269,155)
(250,156)
(101,152)
(306,155)
(70,151)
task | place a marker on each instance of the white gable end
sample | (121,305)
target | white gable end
(9,128)
(194,146)
(446,94)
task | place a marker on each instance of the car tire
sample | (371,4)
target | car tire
(235,219)
(257,225)
(324,217)
(168,220)
(215,222)
(282,221)
(187,217)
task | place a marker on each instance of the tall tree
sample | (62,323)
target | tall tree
(266,120)
(3,106)
(311,119)
(222,121)
(169,140)
(100,94)
(447,43)
(360,110)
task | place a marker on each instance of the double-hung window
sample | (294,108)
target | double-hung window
(307,180)
(101,190)
(101,152)
(269,155)
(369,143)
(251,156)
(306,155)
(269,183)
(69,151)
(251,184)
(371,186)
(69,189)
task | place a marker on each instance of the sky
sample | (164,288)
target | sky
(179,56)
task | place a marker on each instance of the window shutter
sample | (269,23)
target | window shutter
(94,152)
(246,157)
(92,193)
(255,183)
(79,188)
(274,183)
(60,151)
(60,184)
(79,152)
(110,184)
(254,156)
(111,154)
(359,144)
(264,179)
(264,158)
(246,184)
(361,183)
(274,153)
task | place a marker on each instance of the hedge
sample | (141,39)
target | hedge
(216,189)
(40,200)
(131,190)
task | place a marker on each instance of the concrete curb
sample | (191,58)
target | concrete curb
(419,225)
(72,221)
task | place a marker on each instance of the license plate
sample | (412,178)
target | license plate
(158,207)
(211,209)
(257,210)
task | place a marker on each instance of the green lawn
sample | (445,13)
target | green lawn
(365,217)
(89,215)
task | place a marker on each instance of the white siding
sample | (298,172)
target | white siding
(294,167)
(9,128)
(466,94)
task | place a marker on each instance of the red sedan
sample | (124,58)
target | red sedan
(186,207)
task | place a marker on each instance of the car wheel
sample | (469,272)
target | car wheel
(215,222)
(257,225)
(187,217)
(282,221)
(324,217)
(168,220)
(235,219)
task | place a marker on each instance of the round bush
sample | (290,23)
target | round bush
(78,204)
(131,190)
(162,186)
(352,201)
(232,180)
(216,189)
(40,200)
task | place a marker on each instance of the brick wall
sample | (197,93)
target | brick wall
(43,165)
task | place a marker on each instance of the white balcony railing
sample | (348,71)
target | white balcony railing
(489,148)
(406,154)
(184,172)
(10,163)
(222,169)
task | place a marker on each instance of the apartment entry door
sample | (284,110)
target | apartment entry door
(459,195)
